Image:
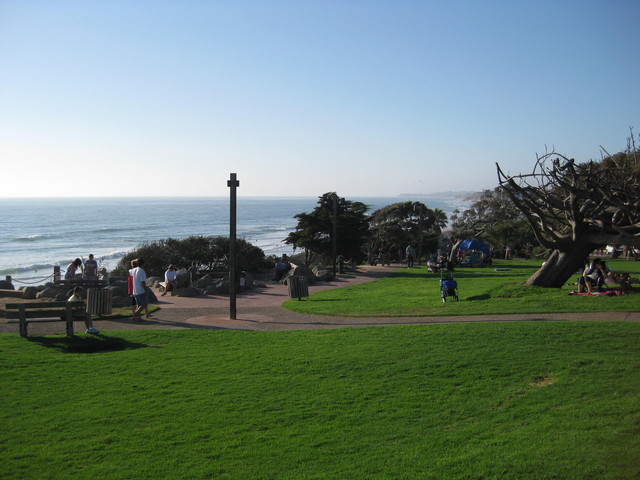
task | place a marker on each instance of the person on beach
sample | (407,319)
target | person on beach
(170,280)
(77,297)
(139,280)
(90,269)
(70,274)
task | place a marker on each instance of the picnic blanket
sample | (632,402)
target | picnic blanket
(608,293)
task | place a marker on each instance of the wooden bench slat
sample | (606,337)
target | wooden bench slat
(47,320)
(45,313)
(33,305)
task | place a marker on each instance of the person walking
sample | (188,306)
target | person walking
(139,280)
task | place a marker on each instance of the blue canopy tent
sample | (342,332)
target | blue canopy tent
(475,245)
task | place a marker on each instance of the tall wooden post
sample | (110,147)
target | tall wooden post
(233,184)
(335,234)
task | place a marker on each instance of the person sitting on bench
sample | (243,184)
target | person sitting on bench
(77,297)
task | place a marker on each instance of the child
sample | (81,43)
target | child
(77,297)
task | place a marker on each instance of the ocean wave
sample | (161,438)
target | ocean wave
(111,230)
(45,267)
(106,259)
(34,238)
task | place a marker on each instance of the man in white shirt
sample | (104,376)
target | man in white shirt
(140,290)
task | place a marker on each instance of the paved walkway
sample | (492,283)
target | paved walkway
(260,310)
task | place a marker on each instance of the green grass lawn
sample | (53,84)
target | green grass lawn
(521,400)
(416,292)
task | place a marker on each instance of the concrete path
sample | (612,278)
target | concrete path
(260,310)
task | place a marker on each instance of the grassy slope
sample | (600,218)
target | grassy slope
(416,292)
(493,401)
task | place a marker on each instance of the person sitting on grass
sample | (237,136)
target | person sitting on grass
(77,297)
(592,274)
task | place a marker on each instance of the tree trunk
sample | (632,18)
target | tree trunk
(560,266)
(453,255)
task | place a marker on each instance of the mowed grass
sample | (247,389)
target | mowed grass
(521,400)
(416,292)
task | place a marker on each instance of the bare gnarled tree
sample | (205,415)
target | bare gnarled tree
(577,208)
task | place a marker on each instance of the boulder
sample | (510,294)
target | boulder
(121,301)
(204,282)
(221,285)
(322,274)
(187,292)
(210,290)
(55,292)
(29,293)
(153,281)
(300,270)
(151,296)
(118,291)
(183,277)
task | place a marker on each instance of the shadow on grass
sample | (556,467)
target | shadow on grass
(89,344)
(479,297)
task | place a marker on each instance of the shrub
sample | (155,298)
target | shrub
(208,253)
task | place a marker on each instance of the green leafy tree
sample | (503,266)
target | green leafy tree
(406,223)
(314,231)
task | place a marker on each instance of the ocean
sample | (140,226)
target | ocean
(37,234)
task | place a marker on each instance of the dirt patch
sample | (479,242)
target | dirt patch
(541,382)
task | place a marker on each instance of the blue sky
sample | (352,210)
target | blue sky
(366,98)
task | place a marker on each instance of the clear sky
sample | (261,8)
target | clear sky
(366,98)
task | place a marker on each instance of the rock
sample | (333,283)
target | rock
(151,296)
(183,277)
(121,301)
(322,274)
(29,293)
(153,281)
(222,285)
(300,270)
(118,291)
(55,292)
(210,290)
(187,292)
(204,282)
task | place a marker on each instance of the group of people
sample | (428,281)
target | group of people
(89,269)
(596,274)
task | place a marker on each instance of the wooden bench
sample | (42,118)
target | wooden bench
(46,312)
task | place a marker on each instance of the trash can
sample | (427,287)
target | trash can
(298,286)
(99,301)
